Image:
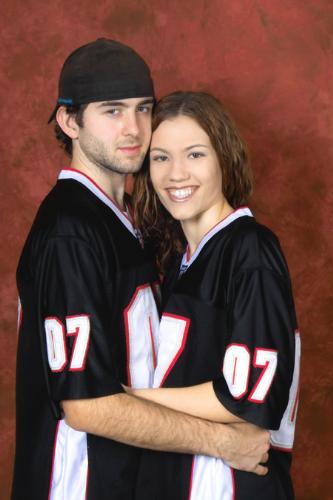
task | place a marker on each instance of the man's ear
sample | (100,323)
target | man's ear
(67,123)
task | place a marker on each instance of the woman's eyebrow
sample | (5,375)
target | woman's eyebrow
(158,149)
(196,146)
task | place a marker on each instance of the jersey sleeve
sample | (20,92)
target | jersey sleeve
(258,360)
(74,321)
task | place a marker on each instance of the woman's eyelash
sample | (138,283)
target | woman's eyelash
(159,158)
(196,154)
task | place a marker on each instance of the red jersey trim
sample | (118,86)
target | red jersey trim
(191,479)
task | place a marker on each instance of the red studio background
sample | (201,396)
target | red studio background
(271,63)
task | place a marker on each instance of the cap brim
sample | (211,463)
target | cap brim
(53,115)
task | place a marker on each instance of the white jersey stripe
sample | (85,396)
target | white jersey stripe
(19,315)
(94,188)
(211,478)
(70,465)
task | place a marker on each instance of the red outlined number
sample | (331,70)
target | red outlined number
(141,328)
(236,371)
(80,327)
(56,342)
(267,360)
(173,336)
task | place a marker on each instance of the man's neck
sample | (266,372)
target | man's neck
(112,183)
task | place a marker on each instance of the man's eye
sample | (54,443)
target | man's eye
(144,109)
(113,111)
(196,154)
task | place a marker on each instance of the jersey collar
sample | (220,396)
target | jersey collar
(71,173)
(236,214)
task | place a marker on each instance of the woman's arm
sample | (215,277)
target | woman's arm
(198,400)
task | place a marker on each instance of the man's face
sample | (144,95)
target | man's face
(115,134)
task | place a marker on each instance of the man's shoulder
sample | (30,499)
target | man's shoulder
(70,212)
(70,197)
(68,209)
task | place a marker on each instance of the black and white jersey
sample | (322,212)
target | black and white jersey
(228,316)
(89,323)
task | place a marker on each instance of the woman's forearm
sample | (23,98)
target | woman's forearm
(199,401)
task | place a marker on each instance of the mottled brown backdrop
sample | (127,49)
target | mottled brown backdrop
(271,63)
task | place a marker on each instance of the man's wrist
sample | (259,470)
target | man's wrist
(218,439)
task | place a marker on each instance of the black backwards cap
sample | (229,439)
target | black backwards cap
(103,70)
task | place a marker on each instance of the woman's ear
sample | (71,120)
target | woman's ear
(67,123)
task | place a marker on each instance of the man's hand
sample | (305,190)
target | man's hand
(248,448)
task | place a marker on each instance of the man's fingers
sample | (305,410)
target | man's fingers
(260,470)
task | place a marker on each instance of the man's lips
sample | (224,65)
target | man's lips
(130,150)
(181,194)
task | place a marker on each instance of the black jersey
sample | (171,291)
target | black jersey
(88,324)
(229,317)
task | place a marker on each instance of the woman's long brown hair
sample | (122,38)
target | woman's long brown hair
(150,216)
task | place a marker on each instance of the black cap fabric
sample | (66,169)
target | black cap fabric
(100,71)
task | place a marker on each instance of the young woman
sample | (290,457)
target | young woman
(228,348)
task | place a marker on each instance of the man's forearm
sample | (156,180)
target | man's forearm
(141,423)
(133,421)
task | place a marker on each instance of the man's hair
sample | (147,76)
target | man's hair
(65,141)
(152,218)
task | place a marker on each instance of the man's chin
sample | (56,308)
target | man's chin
(131,167)
(124,167)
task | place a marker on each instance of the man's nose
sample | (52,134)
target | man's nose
(131,126)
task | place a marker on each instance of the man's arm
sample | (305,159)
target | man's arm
(136,422)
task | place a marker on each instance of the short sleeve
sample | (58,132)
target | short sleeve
(258,361)
(74,321)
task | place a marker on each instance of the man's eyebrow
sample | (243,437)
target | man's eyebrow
(111,103)
(123,104)
(146,101)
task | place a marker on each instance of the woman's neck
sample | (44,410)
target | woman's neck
(195,229)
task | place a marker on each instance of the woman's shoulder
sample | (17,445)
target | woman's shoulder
(248,230)
(253,245)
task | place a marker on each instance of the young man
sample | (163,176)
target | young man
(88,316)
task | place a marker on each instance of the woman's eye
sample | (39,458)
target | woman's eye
(159,158)
(196,154)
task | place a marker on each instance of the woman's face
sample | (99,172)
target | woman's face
(185,171)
